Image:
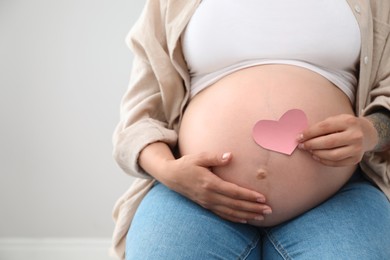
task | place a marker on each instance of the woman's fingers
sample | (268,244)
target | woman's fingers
(193,178)
(336,141)
(228,199)
(226,188)
(239,211)
(337,154)
(232,190)
(212,160)
(239,198)
(332,141)
(242,209)
(345,162)
(325,127)
(238,216)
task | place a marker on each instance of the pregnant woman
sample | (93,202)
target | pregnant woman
(205,74)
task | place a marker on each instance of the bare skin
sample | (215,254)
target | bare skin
(191,176)
(339,141)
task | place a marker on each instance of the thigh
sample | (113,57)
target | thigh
(169,226)
(353,224)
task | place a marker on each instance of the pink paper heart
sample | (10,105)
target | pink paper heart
(280,136)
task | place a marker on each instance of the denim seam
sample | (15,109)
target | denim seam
(278,247)
(250,247)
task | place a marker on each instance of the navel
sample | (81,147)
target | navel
(261,174)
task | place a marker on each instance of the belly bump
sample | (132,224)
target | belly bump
(232,106)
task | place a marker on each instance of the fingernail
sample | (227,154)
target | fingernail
(301,146)
(267,211)
(259,218)
(260,199)
(225,156)
(300,137)
(243,221)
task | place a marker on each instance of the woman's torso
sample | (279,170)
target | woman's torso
(221,118)
(227,44)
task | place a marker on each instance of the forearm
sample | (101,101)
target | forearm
(381,123)
(153,158)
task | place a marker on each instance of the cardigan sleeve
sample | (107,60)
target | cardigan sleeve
(379,96)
(377,164)
(144,114)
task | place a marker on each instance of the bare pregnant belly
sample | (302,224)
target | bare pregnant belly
(221,118)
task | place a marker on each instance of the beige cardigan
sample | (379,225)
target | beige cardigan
(152,107)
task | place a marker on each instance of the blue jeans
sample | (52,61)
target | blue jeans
(353,224)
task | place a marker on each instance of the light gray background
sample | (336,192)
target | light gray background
(64,67)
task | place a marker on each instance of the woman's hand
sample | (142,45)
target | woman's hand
(340,140)
(191,176)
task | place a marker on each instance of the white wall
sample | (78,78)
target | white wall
(64,66)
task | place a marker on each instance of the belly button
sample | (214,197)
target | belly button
(261,174)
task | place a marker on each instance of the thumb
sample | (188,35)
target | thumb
(209,160)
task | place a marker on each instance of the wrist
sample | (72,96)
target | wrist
(155,159)
(370,134)
(380,120)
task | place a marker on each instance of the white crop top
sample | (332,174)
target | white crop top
(224,36)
